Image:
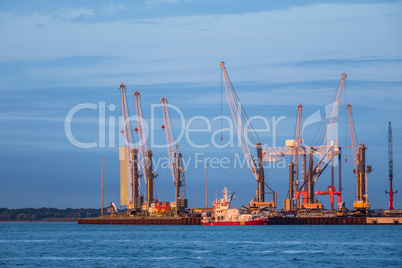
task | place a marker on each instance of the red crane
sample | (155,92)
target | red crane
(391,169)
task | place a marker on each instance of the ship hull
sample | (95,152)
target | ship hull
(252,222)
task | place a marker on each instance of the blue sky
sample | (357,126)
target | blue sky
(55,55)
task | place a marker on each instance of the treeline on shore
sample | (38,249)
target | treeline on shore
(46,214)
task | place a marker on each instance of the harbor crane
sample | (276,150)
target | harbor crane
(305,194)
(360,169)
(246,134)
(175,161)
(144,155)
(332,150)
(127,186)
(391,169)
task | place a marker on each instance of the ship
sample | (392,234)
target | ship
(224,214)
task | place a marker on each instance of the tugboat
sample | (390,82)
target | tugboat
(224,214)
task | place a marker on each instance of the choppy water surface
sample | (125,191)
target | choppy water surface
(70,244)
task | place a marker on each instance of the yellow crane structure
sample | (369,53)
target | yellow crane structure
(360,169)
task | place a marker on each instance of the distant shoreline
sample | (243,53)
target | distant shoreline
(47,220)
(46,214)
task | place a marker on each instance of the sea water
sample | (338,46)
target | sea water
(70,244)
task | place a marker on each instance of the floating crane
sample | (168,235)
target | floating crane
(360,169)
(390,166)
(175,161)
(126,176)
(244,129)
(145,155)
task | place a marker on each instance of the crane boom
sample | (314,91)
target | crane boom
(239,121)
(353,137)
(335,111)
(126,117)
(329,135)
(297,141)
(169,138)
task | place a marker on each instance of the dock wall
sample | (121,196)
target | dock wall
(145,221)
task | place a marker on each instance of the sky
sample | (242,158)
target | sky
(57,57)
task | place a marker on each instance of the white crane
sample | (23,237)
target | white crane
(145,155)
(246,134)
(175,160)
(125,197)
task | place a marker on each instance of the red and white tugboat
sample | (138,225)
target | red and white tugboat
(224,214)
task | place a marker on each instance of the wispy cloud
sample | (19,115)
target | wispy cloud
(263,54)
(112,9)
(156,3)
(72,13)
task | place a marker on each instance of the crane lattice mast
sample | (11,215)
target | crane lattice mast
(391,169)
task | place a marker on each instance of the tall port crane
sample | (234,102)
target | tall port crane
(325,154)
(360,169)
(246,133)
(145,155)
(391,169)
(333,149)
(175,161)
(126,178)
(294,165)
